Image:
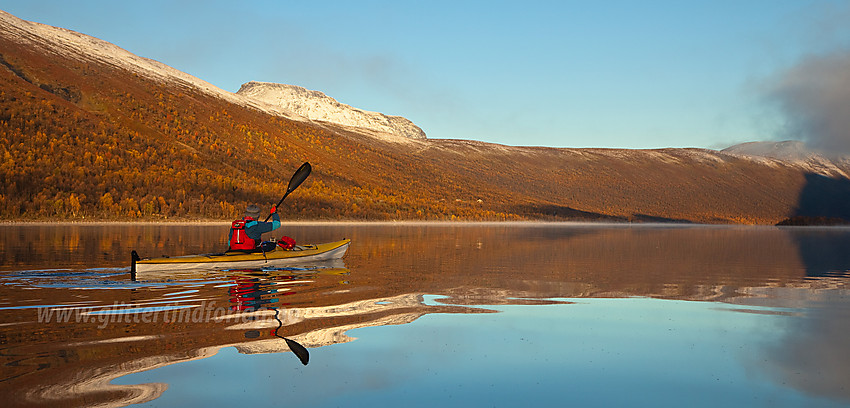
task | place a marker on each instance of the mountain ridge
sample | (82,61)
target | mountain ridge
(86,48)
(85,137)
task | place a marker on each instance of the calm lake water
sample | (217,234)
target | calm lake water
(432,315)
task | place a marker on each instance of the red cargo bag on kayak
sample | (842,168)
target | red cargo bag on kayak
(286,242)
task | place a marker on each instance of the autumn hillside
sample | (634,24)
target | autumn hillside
(86,139)
(82,139)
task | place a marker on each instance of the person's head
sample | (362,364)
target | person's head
(252,212)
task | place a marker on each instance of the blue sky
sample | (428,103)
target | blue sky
(630,74)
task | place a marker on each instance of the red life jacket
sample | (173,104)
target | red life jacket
(238,238)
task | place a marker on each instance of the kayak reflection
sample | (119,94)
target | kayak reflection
(254,289)
(257,289)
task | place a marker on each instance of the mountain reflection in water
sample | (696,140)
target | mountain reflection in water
(393,275)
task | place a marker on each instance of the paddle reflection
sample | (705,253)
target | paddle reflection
(264,289)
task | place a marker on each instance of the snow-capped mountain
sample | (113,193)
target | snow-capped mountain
(317,106)
(282,100)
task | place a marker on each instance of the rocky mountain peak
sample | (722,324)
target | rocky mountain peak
(317,106)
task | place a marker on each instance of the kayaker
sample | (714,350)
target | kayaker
(246,233)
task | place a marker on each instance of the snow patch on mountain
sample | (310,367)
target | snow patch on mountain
(789,150)
(794,153)
(82,47)
(317,106)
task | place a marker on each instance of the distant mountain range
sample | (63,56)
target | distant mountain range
(92,131)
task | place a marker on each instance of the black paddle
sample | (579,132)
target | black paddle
(299,350)
(296,180)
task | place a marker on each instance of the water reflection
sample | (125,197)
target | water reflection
(69,351)
(791,278)
(823,251)
(32,246)
(811,355)
(256,289)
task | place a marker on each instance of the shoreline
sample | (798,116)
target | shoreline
(107,222)
(348,222)
(386,223)
(326,222)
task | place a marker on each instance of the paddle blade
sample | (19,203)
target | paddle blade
(296,180)
(299,350)
(299,177)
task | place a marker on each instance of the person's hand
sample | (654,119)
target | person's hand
(273,210)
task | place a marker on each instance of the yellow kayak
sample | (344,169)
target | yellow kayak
(299,254)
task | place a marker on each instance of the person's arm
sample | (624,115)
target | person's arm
(255,229)
(275,220)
